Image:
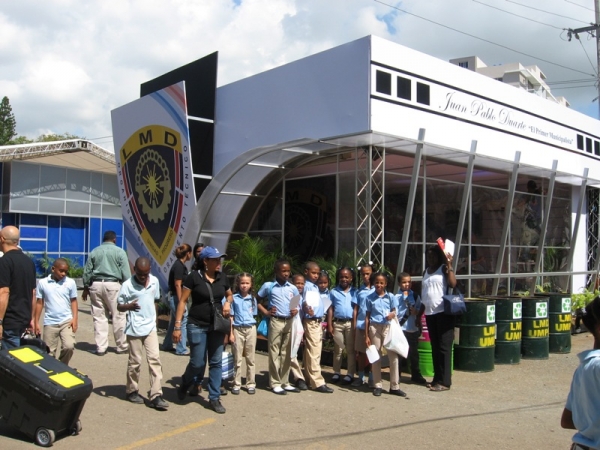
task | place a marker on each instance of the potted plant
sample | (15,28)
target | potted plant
(578,302)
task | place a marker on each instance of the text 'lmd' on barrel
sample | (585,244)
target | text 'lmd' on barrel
(509,328)
(559,308)
(536,328)
(476,336)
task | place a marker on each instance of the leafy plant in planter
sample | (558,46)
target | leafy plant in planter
(581,300)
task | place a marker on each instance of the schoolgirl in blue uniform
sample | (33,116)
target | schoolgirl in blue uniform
(381,308)
(340,323)
(243,334)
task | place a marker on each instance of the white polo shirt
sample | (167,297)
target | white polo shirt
(57,297)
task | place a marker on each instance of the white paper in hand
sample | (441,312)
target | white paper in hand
(312,298)
(372,354)
(295,302)
(449,247)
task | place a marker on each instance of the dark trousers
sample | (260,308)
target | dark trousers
(413,353)
(441,334)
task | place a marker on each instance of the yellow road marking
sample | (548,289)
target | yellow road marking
(167,434)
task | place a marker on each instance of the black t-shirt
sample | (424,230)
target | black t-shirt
(17,272)
(178,272)
(200,312)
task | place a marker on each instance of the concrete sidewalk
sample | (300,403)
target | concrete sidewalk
(512,407)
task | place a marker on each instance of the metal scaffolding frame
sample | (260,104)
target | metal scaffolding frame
(370,204)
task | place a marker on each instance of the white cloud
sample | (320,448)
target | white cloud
(65,64)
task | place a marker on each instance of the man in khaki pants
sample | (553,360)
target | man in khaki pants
(137,297)
(106,268)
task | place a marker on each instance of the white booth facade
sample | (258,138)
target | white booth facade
(376,149)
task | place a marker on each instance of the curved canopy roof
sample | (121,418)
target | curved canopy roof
(251,176)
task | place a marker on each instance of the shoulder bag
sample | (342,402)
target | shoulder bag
(220,323)
(454,303)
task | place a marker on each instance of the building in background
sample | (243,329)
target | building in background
(62,195)
(376,149)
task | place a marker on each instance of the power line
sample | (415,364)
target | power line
(484,40)
(544,11)
(517,15)
(577,4)
(573,87)
(587,56)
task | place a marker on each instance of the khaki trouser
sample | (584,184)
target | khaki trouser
(244,347)
(296,369)
(344,332)
(377,333)
(64,333)
(279,352)
(150,345)
(103,298)
(313,344)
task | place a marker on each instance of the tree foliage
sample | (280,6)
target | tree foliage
(50,137)
(8,124)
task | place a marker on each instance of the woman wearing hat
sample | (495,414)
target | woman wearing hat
(205,285)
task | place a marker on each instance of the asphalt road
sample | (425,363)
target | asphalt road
(512,407)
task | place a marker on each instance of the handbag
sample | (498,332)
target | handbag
(220,323)
(454,303)
(263,327)
(395,341)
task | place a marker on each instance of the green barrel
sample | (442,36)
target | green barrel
(426,359)
(509,327)
(536,328)
(476,339)
(559,308)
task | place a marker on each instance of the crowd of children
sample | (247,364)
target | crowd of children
(297,306)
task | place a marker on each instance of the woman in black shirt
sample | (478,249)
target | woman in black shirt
(205,286)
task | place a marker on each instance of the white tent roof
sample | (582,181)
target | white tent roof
(73,153)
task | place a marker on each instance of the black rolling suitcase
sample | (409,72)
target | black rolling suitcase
(39,395)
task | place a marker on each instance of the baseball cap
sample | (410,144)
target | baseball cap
(210,252)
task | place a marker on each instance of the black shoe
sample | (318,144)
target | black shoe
(223,390)
(159,403)
(217,407)
(98,353)
(135,397)
(399,392)
(377,392)
(182,391)
(301,384)
(335,378)
(419,380)
(195,390)
(347,380)
(324,389)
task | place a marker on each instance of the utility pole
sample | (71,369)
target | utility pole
(595,27)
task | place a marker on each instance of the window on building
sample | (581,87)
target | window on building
(403,88)
(423,93)
(383,82)
(464,64)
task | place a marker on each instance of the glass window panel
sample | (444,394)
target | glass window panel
(347,189)
(390,261)
(346,241)
(111,211)
(78,208)
(33,219)
(558,231)
(96,186)
(110,189)
(56,207)
(24,204)
(78,185)
(95,210)
(413,263)
(310,216)
(24,180)
(488,215)
(30,246)
(443,209)
(52,181)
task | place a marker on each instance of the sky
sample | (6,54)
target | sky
(65,64)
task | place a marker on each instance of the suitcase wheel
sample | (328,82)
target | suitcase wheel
(76,428)
(44,437)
